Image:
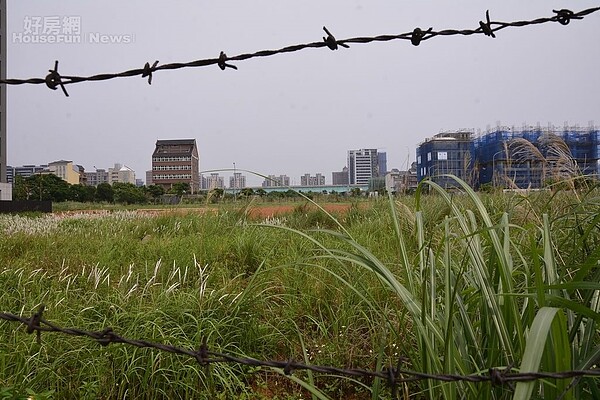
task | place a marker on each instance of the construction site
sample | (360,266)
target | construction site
(528,157)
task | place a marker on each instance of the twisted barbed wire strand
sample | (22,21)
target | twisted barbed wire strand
(488,28)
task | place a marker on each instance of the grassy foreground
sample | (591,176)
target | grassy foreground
(449,283)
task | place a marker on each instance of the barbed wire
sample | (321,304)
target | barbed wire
(488,28)
(392,375)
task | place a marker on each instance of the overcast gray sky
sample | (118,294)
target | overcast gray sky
(299,112)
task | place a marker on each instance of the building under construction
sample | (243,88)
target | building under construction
(447,153)
(514,158)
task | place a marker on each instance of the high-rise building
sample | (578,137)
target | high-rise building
(382,162)
(276,181)
(363,165)
(149,177)
(308,180)
(237,181)
(214,181)
(176,161)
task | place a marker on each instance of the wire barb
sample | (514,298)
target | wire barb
(105,337)
(565,16)
(331,42)
(222,62)
(418,35)
(486,27)
(202,354)
(392,381)
(289,369)
(53,79)
(148,70)
(34,323)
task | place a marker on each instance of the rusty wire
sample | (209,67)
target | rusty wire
(393,375)
(488,28)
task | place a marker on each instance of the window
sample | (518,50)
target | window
(170,159)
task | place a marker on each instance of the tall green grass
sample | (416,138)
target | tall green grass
(452,282)
(482,291)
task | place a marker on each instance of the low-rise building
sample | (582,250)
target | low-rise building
(121,173)
(5,191)
(397,181)
(341,177)
(97,177)
(65,170)
(24,170)
(149,178)
(176,161)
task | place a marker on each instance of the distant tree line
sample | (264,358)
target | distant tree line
(51,187)
(219,194)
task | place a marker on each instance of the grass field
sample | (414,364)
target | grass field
(446,282)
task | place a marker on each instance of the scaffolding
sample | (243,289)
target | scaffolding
(509,157)
(529,156)
(447,153)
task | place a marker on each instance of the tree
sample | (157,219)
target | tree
(261,192)
(155,191)
(46,187)
(180,188)
(215,194)
(275,194)
(82,193)
(247,192)
(21,189)
(128,193)
(105,192)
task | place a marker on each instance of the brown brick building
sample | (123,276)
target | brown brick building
(175,161)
